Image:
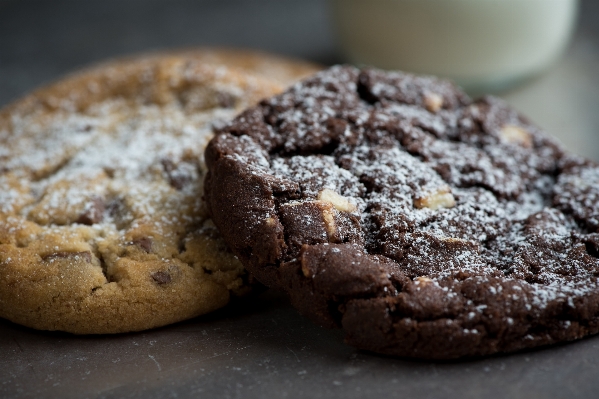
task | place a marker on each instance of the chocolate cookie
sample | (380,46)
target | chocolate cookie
(102,229)
(423,223)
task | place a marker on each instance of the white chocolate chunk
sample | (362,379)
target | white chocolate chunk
(516,134)
(328,215)
(442,198)
(340,203)
(270,221)
(423,280)
(433,102)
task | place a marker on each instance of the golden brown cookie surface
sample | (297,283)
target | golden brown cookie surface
(102,228)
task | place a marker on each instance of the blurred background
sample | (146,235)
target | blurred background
(43,40)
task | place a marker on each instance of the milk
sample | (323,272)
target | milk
(483,45)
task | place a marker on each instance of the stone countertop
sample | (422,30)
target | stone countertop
(262,347)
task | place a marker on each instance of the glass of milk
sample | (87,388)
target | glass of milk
(483,45)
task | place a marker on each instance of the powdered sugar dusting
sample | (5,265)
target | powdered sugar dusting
(121,162)
(497,214)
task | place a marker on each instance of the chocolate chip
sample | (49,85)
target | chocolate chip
(179,182)
(115,207)
(176,178)
(86,128)
(109,171)
(161,277)
(93,212)
(144,243)
(168,165)
(225,100)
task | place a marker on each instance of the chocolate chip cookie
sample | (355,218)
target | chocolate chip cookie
(423,223)
(102,227)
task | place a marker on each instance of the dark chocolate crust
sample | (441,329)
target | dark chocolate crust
(423,223)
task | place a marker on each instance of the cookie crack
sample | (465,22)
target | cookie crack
(592,249)
(104,267)
(46,175)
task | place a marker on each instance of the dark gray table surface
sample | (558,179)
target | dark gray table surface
(262,347)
